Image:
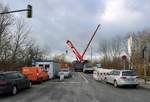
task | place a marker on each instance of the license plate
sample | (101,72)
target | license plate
(130,79)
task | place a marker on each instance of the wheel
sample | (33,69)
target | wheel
(30,85)
(84,71)
(115,84)
(134,86)
(14,90)
(41,80)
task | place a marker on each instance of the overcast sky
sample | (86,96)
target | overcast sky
(55,21)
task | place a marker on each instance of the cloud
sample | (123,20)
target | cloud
(55,21)
(116,11)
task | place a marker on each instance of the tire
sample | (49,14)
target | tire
(14,90)
(115,84)
(41,80)
(134,86)
(84,71)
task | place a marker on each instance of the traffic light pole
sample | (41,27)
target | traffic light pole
(29,11)
(14,11)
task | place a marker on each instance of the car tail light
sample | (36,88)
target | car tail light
(2,82)
(123,77)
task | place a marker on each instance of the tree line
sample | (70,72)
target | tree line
(17,48)
(111,49)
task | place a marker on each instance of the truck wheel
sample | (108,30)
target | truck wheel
(41,80)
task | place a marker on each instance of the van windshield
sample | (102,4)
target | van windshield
(129,73)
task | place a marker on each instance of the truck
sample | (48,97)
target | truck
(35,74)
(78,66)
(80,61)
(51,66)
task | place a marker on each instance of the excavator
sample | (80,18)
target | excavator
(80,61)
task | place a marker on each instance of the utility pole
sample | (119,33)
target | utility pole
(91,55)
(144,52)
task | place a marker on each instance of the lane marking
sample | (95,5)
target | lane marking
(86,80)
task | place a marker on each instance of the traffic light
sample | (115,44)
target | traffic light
(29,11)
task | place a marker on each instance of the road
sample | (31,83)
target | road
(80,88)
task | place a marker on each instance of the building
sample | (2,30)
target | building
(51,66)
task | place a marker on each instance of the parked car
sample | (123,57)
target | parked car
(122,77)
(87,68)
(35,74)
(12,82)
(67,72)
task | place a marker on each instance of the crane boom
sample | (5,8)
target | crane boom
(78,65)
(74,50)
(90,41)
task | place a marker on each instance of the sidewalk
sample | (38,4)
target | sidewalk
(142,84)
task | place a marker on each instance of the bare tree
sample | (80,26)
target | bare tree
(6,21)
(140,39)
(111,50)
(20,40)
(16,47)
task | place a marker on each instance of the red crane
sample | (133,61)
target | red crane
(74,50)
(79,57)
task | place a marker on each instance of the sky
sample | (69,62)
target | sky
(56,21)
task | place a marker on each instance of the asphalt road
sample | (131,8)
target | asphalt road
(80,88)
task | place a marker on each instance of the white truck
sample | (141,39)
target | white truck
(51,66)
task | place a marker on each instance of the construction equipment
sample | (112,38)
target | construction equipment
(79,63)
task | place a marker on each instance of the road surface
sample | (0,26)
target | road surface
(80,88)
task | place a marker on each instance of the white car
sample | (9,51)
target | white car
(122,77)
(67,73)
(87,68)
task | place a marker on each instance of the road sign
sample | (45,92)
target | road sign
(124,56)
